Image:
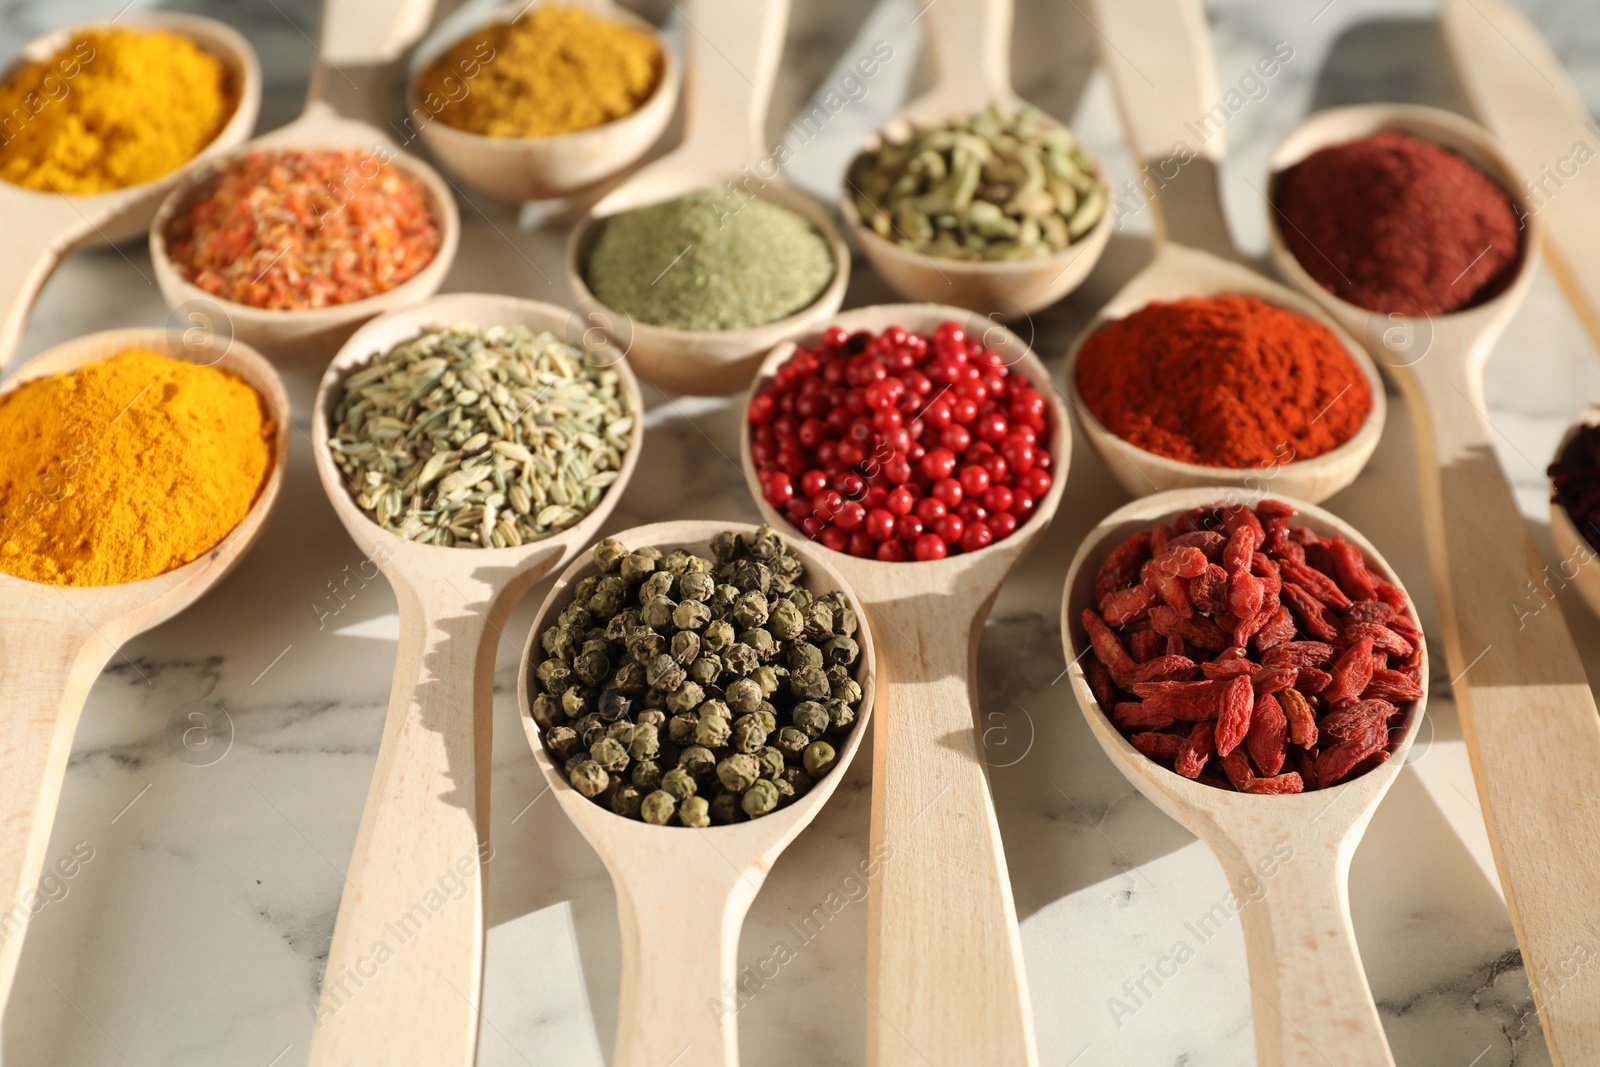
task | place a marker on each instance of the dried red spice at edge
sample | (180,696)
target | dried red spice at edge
(1223,381)
(1397,224)
(1273,720)
(1575,476)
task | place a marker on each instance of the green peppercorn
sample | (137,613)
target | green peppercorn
(803,654)
(697,586)
(718,637)
(796,779)
(554,676)
(655,698)
(819,758)
(727,546)
(690,615)
(622,732)
(749,576)
(608,555)
(771,760)
(652,717)
(841,716)
(578,701)
(685,647)
(639,565)
(786,792)
(705,670)
(591,728)
(762,642)
(679,782)
(658,584)
(738,771)
(657,613)
(819,619)
(750,609)
(767,715)
(626,801)
(808,683)
(765,543)
(546,711)
(681,728)
(808,714)
(760,797)
(563,741)
(748,735)
(698,761)
(646,775)
(628,678)
(644,644)
(589,778)
(743,696)
(725,808)
(712,731)
(740,659)
(791,741)
(664,673)
(610,754)
(621,625)
(659,807)
(694,811)
(785,622)
(646,742)
(768,678)
(847,690)
(841,651)
(801,597)
(723,597)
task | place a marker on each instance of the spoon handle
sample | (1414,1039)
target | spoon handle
(358,59)
(1527,713)
(1309,994)
(970,45)
(733,50)
(38,233)
(1157,54)
(944,959)
(680,924)
(405,968)
(47,667)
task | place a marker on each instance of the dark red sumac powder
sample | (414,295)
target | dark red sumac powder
(1223,381)
(1397,224)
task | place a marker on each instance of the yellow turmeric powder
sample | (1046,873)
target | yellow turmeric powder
(127,468)
(554,70)
(110,109)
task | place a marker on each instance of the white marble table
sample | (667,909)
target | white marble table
(197,932)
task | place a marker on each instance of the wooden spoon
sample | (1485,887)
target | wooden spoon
(41,228)
(427,812)
(350,90)
(1194,254)
(682,894)
(944,964)
(540,168)
(1287,856)
(733,52)
(54,640)
(970,41)
(1527,712)
(1520,90)
(1571,545)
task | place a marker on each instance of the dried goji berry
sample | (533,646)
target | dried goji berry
(1311,612)
(1282,783)
(1122,566)
(1099,679)
(1157,745)
(1233,718)
(1145,645)
(1351,673)
(1276,631)
(1392,686)
(1208,592)
(1236,765)
(1383,639)
(1268,739)
(1351,570)
(1165,669)
(1137,715)
(1299,654)
(1314,582)
(1108,648)
(1128,604)
(1297,713)
(1197,748)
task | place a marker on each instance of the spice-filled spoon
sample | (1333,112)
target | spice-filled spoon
(519,168)
(55,639)
(685,863)
(1038,196)
(1576,534)
(403,438)
(733,50)
(42,226)
(1287,857)
(944,968)
(1194,254)
(1527,713)
(347,100)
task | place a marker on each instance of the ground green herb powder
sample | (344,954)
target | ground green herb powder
(709,261)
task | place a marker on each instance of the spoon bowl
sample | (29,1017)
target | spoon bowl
(970,42)
(55,640)
(1571,545)
(41,228)
(517,169)
(1287,856)
(960,987)
(725,108)
(427,808)
(1180,272)
(680,905)
(306,336)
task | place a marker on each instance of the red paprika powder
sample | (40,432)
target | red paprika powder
(1397,224)
(1223,381)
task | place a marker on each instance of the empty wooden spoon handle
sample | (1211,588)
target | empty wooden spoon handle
(405,968)
(970,44)
(362,41)
(1309,994)
(733,50)
(944,974)
(1157,54)
(680,936)
(38,234)
(47,667)
(1519,89)
(1527,713)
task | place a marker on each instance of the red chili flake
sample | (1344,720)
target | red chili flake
(1308,701)
(288,229)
